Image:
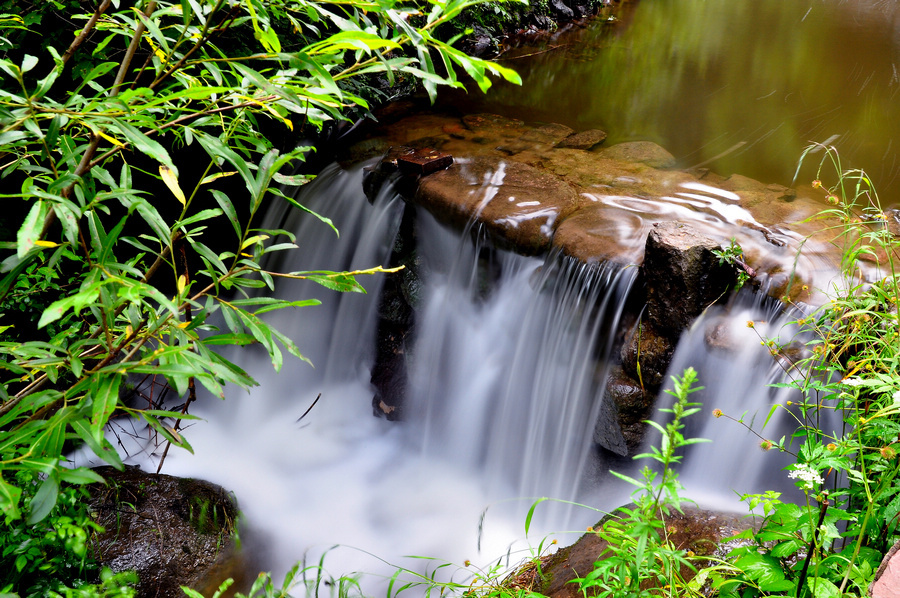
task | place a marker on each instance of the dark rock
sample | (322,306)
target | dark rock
(561,10)
(620,427)
(584,140)
(643,152)
(682,275)
(396,321)
(375,176)
(542,21)
(699,531)
(653,351)
(172,531)
(423,161)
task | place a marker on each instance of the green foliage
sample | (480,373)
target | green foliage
(831,544)
(49,550)
(733,255)
(115,176)
(638,559)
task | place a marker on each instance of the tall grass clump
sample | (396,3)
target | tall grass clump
(830,544)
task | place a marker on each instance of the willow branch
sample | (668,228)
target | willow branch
(132,47)
(86,31)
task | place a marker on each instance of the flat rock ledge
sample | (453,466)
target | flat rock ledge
(540,187)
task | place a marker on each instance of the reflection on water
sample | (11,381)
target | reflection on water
(736,85)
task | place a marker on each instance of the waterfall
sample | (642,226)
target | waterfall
(506,378)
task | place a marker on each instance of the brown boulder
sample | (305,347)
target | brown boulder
(584,140)
(887,578)
(172,531)
(517,204)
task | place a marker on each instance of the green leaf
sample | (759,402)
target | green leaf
(9,499)
(822,588)
(217,149)
(144,144)
(105,395)
(228,209)
(229,338)
(342,283)
(80,476)
(30,231)
(44,500)
(98,444)
(200,216)
(530,514)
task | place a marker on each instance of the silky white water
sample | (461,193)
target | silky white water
(506,379)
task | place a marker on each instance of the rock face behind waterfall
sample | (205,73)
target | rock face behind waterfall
(682,277)
(172,531)
(542,188)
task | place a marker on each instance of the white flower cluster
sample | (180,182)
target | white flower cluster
(807,475)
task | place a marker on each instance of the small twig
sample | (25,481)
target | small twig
(305,413)
(86,31)
(550,49)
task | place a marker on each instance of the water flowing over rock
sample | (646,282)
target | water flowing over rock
(172,531)
(535,192)
(515,201)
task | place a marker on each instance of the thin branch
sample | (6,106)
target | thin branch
(86,31)
(132,47)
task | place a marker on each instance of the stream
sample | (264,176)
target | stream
(504,385)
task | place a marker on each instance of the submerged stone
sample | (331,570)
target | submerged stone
(642,152)
(584,140)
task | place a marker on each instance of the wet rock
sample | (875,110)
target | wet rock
(620,427)
(561,10)
(646,355)
(423,161)
(396,321)
(517,203)
(887,579)
(697,530)
(171,531)
(682,275)
(584,140)
(375,176)
(599,233)
(643,152)
(549,133)
(493,125)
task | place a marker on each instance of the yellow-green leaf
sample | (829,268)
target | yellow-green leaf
(171,181)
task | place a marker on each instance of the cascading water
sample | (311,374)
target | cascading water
(504,390)
(505,386)
(736,369)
